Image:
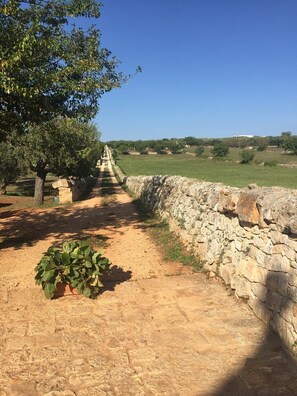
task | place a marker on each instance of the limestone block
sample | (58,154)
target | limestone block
(247,209)
(250,270)
(274,301)
(293,277)
(289,312)
(277,249)
(267,248)
(285,329)
(238,244)
(259,242)
(261,258)
(260,309)
(259,291)
(277,237)
(65,195)
(226,271)
(61,183)
(243,287)
(227,200)
(278,263)
(292,293)
(279,207)
(278,282)
(291,243)
(286,251)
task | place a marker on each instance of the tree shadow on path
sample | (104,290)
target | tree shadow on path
(27,227)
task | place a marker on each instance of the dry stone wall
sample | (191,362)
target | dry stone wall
(246,236)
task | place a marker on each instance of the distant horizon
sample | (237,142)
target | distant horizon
(201,137)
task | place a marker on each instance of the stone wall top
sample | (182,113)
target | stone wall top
(253,205)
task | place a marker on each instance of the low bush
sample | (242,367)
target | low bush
(247,157)
(270,163)
(199,151)
(75,264)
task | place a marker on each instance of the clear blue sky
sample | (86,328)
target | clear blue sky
(211,68)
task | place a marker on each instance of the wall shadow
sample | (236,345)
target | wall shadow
(271,370)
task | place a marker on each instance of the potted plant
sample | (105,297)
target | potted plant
(75,264)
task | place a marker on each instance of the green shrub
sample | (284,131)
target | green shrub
(262,148)
(75,264)
(247,156)
(199,151)
(270,163)
(220,149)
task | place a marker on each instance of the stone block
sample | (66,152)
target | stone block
(227,201)
(250,270)
(61,183)
(274,301)
(278,263)
(226,272)
(278,282)
(260,309)
(293,277)
(247,209)
(259,291)
(284,329)
(243,287)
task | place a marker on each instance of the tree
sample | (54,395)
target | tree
(220,149)
(190,140)
(199,151)
(289,142)
(247,157)
(62,146)
(8,165)
(47,68)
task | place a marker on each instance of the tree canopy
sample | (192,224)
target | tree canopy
(48,68)
(63,146)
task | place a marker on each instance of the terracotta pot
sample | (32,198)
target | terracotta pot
(65,290)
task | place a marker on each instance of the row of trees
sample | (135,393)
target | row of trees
(286,140)
(51,79)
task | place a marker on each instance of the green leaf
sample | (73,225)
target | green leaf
(88,264)
(86,250)
(94,257)
(49,290)
(48,275)
(65,258)
(87,292)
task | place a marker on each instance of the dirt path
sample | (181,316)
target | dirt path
(157,329)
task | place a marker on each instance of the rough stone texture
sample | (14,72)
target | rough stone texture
(70,190)
(247,236)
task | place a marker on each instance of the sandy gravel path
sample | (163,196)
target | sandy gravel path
(157,329)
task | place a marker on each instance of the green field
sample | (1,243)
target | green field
(229,173)
(270,154)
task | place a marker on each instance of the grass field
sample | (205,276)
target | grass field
(270,154)
(24,186)
(229,173)
(20,194)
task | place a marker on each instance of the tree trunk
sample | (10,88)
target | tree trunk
(3,188)
(39,186)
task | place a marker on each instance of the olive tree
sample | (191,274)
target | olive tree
(61,146)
